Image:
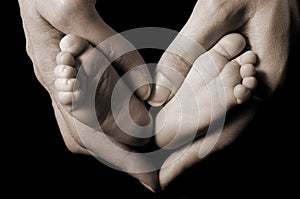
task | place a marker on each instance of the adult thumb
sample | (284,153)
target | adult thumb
(209,21)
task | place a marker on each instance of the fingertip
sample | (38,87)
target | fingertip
(144,92)
(150,180)
(139,80)
(159,95)
(147,186)
(165,177)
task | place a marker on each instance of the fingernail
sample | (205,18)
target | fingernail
(138,80)
(161,90)
(160,95)
(144,92)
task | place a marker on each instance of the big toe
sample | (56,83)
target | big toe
(73,44)
(226,49)
(229,46)
(210,64)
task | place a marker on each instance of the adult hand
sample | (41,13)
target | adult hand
(267,26)
(45,23)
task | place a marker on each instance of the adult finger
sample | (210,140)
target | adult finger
(118,156)
(272,50)
(104,102)
(79,17)
(43,46)
(184,158)
(209,21)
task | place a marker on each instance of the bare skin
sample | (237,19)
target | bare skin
(72,90)
(219,68)
(236,77)
(254,19)
(43,39)
(45,23)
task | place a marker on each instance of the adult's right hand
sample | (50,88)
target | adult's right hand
(45,23)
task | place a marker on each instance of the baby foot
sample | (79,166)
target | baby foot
(73,91)
(217,77)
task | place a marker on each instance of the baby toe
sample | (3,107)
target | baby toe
(64,71)
(250,82)
(241,93)
(65,58)
(247,70)
(230,45)
(78,98)
(248,57)
(73,44)
(66,85)
(65,97)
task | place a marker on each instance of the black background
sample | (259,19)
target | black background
(261,162)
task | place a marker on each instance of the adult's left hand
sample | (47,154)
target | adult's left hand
(269,27)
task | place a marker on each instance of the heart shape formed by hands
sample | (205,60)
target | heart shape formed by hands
(181,72)
(216,84)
